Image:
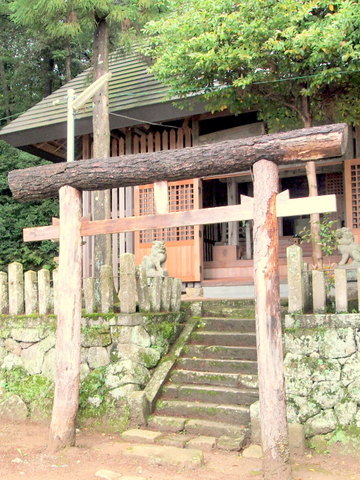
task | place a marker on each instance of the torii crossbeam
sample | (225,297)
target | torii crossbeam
(264,154)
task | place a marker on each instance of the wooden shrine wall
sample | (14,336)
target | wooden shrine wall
(183,244)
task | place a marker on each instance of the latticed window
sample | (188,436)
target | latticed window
(355,195)
(181,197)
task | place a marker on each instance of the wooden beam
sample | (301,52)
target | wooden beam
(204,216)
(194,162)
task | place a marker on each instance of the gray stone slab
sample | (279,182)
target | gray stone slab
(204,443)
(184,458)
(143,436)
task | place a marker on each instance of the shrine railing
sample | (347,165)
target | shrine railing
(30,292)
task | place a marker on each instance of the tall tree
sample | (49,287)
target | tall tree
(297,62)
(67,18)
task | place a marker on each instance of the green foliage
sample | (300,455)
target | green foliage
(327,234)
(15,216)
(296,61)
(29,388)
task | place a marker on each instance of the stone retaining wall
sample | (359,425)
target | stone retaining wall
(123,348)
(322,365)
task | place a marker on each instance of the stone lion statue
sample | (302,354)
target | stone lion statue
(154,263)
(347,246)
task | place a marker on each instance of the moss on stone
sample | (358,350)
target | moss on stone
(29,388)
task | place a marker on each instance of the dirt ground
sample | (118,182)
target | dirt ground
(23,455)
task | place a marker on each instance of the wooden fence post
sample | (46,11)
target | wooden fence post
(66,399)
(273,421)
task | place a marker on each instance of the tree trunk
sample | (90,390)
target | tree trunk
(66,399)
(273,421)
(101,146)
(317,257)
(214,159)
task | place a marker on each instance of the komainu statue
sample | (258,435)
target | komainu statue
(154,263)
(347,246)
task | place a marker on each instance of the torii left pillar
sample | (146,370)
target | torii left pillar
(66,399)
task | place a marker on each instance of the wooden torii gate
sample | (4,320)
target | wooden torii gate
(263,154)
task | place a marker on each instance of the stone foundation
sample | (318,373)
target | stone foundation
(118,354)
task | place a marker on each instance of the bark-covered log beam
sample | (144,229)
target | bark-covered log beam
(215,159)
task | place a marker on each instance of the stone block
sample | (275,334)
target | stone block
(174,440)
(255,423)
(130,319)
(232,444)
(48,366)
(148,357)
(295,278)
(124,372)
(319,291)
(202,442)
(345,412)
(253,451)
(341,294)
(11,361)
(44,291)
(12,346)
(328,394)
(196,309)
(4,300)
(155,288)
(322,423)
(16,288)
(27,334)
(139,408)
(159,455)
(13,408)
(98,357)
(296,439)
(31,292)
(176,289)
(337,343)
(194,292)
(89,295)
(33,357)
(165,294)
(128,291)
(55,290)
(106,288)
(136,335)
(142,289)
(143,436)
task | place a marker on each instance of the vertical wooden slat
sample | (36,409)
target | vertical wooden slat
(165,140)
(172,139)
(157,142)
(143,144)
(195,130)
(180,138)
(121,214)
(188,137)
(114,147)
(115,236)
(136,145)
(121,146)
(150,142)
(129,237)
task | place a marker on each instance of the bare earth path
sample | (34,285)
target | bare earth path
(23,455)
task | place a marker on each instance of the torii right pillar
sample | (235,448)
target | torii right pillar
(274,431)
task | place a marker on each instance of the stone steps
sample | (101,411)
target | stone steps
(217,365)
(224,338)
(228,413)
(241,325)
(210,388)
(213,394)
(220,351)
(214,378)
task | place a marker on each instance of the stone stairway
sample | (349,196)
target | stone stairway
(206,400)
